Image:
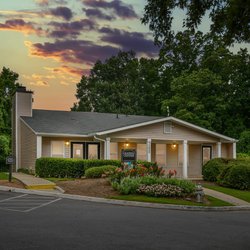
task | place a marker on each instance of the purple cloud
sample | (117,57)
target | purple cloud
(63,12)
(21,26)
(96,13)
(71,29)
(130,41)
(75,51)
(125,11)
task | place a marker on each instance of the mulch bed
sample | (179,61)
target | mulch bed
(15,183)
(88,187)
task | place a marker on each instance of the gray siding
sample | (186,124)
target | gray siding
(28,147)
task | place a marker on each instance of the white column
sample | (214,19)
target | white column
(149,149)
(219,149)
(185,159)
(234,150)
(108,148)
(38,147)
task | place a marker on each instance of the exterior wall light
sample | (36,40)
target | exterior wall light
(67,143)
(174,146)
(126,144)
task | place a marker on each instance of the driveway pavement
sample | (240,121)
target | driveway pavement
(74,224)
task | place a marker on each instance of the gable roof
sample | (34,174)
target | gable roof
(46,122)
(70,123)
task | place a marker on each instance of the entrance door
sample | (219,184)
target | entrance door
(93,150)
(206,154)
(77,150)
(85,150)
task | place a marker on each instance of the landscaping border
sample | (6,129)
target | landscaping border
(127,203)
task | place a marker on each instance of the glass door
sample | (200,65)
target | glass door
(206,154)
(93,150)
(77,150)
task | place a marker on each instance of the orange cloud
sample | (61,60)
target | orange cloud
(39,83)
(20,26)
(64,69)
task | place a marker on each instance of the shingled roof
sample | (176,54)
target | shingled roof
(80,123)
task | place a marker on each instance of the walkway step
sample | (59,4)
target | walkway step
(32,182)
(225,197)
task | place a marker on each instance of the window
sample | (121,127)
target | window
(206,154)
(57,149)
(167,127)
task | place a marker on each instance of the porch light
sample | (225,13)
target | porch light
(173,146)
(126,144)
(67,143)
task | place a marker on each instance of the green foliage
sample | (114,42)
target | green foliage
(243,145)
(213,168)
(229,19)
(71,168)
(97,172)
(237,175)
(138,170)
(228,173)
(96,163)
(4,151)
(123,84)
(130,185)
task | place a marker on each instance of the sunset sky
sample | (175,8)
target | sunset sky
(52,43)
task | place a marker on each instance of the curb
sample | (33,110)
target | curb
(125,203)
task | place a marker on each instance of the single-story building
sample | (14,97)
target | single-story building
(171,142)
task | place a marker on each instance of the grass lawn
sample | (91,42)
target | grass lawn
(4,176)
(142,198)
(241,194)
(59,179)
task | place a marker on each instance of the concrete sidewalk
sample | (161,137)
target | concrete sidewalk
(225,197)
(32,182)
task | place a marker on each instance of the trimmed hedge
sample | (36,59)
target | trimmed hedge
(237,175)
(97,172)
(212,169)
(64,167)
(229,173)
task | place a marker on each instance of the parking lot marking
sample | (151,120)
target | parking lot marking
(26,202)
(42,205)
(14,197)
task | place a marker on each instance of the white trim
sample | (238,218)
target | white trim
(149,149)
(62,135)
(186,124)
(234,150)
(107,149)
(219,149)
(38,147)
(185,159)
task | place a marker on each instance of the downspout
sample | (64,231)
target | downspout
(105,150)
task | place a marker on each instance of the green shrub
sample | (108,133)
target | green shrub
(97,172)
(129,185)
(65,167)
(25,171)
(237,175)
(243,156)
(212,168)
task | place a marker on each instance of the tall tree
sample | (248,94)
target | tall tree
(229,18)
(8,85)
(121,84)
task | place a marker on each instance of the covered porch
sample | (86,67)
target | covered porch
(186,157)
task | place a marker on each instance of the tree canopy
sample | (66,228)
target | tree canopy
(230,19)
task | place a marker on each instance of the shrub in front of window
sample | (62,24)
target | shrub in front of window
(98,172)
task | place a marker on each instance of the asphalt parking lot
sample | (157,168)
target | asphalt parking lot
(23,202)
(29,222)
